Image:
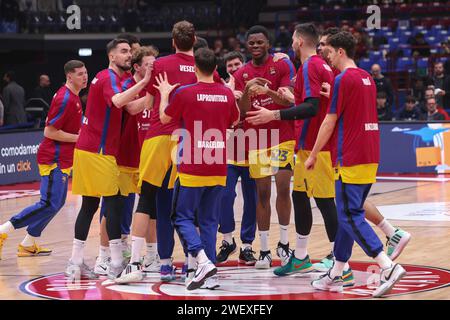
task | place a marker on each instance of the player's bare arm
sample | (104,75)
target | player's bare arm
(122,99)
(164,88)
(59,135)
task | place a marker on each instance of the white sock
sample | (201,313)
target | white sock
(337,270)
(201,257)
(228,237)
(77,252)
(104,252)
(152,249)
(346,267)
(116,252)
(167,262)
(28,241)
(284,238)
(383,260)
(245,246)
(136,247)
(387,228)
(7,227)
(192,262)
(301,250)
(264,237)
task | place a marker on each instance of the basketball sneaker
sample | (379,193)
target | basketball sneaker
(348,278)
(397,243)
(132,273)
(325,264)
(102,265)
(3,237)
(115,272)
(294,265)
(188,275)
(167,272)
(388,278)
(203,272)
(284,253)
(327,284)
(76,272)
(151,263)
(226,249)
(32,251)
(211,283)
(246,256)
(264,260)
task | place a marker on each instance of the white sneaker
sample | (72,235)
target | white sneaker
(189,276)
(76,272)
(132,273)
(388,278)
(102,265)
(325,283)
(211,283)
(204,271)
(284,253)
(115,271)
(264,260)
(151,263)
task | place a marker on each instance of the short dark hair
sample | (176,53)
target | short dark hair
(200,43)
(330,31)
(410,99)
(234,55)
(257,29)
(114,43)
(309,31)
(205,60)
(183,34)
(71,65)
(131,38)
(11,75)
(344,40)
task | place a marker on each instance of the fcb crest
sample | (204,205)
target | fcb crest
(272,71)
(245,76)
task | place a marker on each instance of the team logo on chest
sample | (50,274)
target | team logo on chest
(245,76)
(272,71)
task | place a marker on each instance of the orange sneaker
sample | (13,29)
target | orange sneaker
(32,251)
(3,237)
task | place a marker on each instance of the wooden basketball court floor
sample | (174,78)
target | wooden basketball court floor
(429,245)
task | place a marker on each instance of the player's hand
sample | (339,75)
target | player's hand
(326,89)
(231,83)
(164,87)
(259,116)
(310,162)
(286,93)
(238,95)
(257,90)
(148,73)
(280,56)
(256,81)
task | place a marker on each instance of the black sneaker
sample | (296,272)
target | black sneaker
(225,250)
(284,253)
(246,257)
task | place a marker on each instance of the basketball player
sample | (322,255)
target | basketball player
(55,159)
(96,173)
(397,238)
(201,181)
(259,81)
(355,153)
(237,167)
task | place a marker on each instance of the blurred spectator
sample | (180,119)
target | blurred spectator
(418,89)
(43,90)
(410,111)
(9,11)
(233,44)
(200,43)
(428,94)
(441,84)
(446,51)
(2,112)
(361,45)
(284,38)
(13,100)
(241,35)
(432,111)
(218,47)
(383,109)
(419,45)
(383,84)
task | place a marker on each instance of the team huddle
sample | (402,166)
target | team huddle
(171,130)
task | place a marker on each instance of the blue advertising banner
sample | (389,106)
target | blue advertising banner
(18,152)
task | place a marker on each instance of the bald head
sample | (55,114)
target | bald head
(376,71)
(44,81)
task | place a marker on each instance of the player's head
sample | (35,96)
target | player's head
(76,74)
(234,60)
(342,47)
(142,59)
(305,36)
(205,61)
(133,41)
(183,36)
(119,53)
(322,49)
(200,43)
(258,43)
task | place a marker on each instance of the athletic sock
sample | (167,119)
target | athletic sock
(264,237)
(192,262)
(228,237)
(301,250)
(136,247)
(201,257)
(7,227)
(245,246)
(152,249)
(116,252)
(383,260)
(77,252)
(337,270)
(284,238)
(28,241)
(104,252)
(387,228)
(166,262)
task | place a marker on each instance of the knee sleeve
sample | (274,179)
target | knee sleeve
(303,213)
(114,209)
(147,200)
(89,206)
(328,210)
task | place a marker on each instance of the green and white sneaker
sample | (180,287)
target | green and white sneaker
(294,265)
(325,264)
(397,243)
(348,278)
